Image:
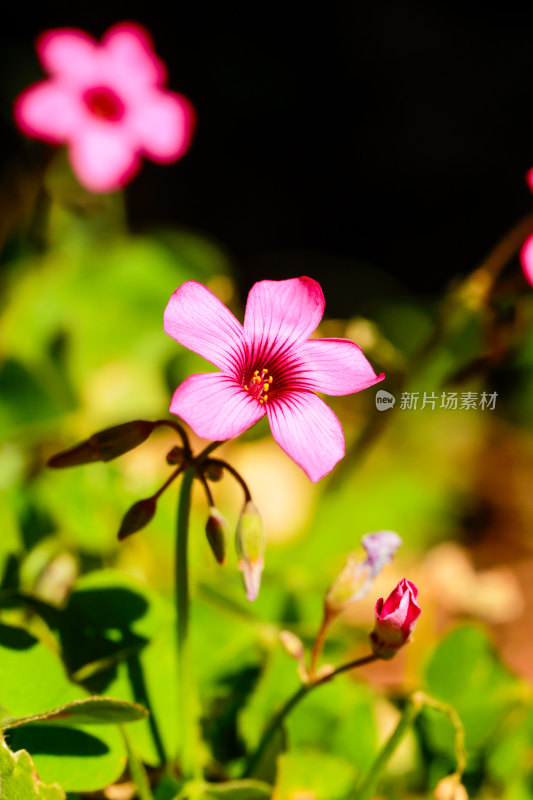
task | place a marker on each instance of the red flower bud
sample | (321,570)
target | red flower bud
(105,445)
(216,532)
(138,516)
(395,619)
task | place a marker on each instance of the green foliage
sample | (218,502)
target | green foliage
(41,706)
(18,780)
(87,625)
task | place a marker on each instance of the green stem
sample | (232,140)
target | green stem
(367,789)
(278,719)
(188,728)
(137,771)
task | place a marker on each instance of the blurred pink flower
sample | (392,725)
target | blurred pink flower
(395,619)
(106,101)
(526,258)
(268,366)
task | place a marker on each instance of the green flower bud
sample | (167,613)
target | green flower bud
(250,545)
(137,517)
(344,587)
(292,644)
(216,531)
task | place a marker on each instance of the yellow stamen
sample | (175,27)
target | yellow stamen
(266,387)
(256,372)
(246,386)
(270,378)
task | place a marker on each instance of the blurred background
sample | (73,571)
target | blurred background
(381,149)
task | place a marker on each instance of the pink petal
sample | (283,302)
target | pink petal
(102,157)
(198,320)
(129,56)
(162,123)
(215,406)
(281,313)
(308,430)
(335,366)
(47,111)
(70,53)
(526,258)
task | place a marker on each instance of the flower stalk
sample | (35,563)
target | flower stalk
(188,723)
(279,718)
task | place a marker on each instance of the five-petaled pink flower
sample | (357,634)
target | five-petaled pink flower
(268,366)
(106,101)
(395,619)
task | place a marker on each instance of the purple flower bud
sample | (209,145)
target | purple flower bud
(356,578)
(380,549)
(395,619)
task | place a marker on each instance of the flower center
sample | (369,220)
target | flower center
(103,103)
(259,385)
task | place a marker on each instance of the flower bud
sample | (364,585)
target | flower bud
(216,531)
(380,549)
(137,517)
(175,456)
(345,586)
(356,578)
(250,546)
(292,644)
(105,445)
(395,619)
(450,788)
(214,472)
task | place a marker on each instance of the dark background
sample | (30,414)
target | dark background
(394,134)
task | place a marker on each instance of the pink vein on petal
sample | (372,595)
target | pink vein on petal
(215,406)
(197,319)
(281,313)
(308,430)
(334,367)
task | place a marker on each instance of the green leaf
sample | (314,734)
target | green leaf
(81,759)
(482,690)
(120,637)
(238,790)
(93,710)
(324,776)
(32,679)
(19,779)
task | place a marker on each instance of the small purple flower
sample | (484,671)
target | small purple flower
(395,619)
(380,550)
(268,366)
(355,580)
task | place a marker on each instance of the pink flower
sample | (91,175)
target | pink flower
(395,619)
(526,258)
(106,101)
(268,366)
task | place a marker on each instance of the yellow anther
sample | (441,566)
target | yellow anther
(266,387)
(256,372)
(246,386)
(270,378)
